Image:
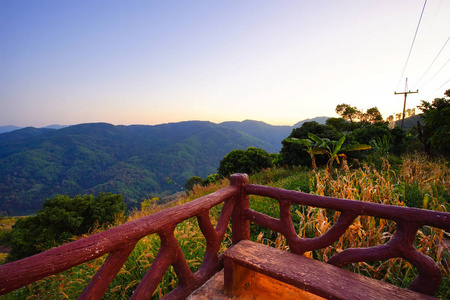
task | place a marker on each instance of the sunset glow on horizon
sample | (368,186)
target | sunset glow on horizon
(153,62)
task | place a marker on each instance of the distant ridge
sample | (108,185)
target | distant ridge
(55,126)
(272,134)
(409,122)
(320,120)
(8,128)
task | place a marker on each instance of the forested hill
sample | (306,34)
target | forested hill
(269,133)
(136,161)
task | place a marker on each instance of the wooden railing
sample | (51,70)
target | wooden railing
(401,245)
(118,242)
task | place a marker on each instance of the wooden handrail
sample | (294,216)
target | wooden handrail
(408,220)
(118,242)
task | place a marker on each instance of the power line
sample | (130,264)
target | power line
(414,39)
(433,61)
(438,88)
(435,74)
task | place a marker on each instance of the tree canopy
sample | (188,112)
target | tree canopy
(60,219)
(244,161)
(435,133)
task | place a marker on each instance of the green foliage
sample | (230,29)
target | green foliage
(373,115)
(381,146)
(249,161)
(369,132)
(412,196)
(352,114)
(311,146)
(333,148)
(348,112)
(435,133)
(60,219)
(212,178)
(193,181)
(342,125)
(149,203)
(295,154)
(133,161)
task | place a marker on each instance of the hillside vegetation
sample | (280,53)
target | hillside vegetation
(413,178)
(135,161)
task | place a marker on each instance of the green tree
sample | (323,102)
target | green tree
(294,154)
(342,125)
(244,161)
(373,115)
(435,133)
(191,182)
(368,132)
(60,219)
(348,112)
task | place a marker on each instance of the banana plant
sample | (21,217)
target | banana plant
(333,149)
(312,147)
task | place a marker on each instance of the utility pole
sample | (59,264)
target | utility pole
(404,103)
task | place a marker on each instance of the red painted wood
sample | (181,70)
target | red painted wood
(239,223)
(165,257)
(397,213)
(408,220)
(313,276)
(99,284)
(19,273)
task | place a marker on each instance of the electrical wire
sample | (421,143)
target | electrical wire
(432,62)
(433,93)
(412,45)
(435,74)
(440,87)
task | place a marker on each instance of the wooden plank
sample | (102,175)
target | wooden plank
(310,275)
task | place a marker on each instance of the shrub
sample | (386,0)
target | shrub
(61,219)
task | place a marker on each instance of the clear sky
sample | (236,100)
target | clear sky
(151,62)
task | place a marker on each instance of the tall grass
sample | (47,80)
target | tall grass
(385,185)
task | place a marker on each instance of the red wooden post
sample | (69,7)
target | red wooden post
(239,223)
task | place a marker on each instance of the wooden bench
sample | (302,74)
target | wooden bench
(318,278)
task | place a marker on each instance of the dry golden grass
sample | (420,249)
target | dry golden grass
(371,185)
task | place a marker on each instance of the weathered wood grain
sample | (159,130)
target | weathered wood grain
(313,276)
(240,224)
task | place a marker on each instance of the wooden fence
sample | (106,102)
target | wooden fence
(118,242)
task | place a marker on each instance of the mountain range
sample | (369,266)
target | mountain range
(137,161)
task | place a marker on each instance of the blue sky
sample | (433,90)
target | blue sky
(152,62)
